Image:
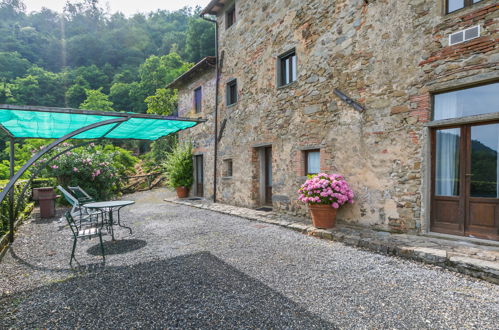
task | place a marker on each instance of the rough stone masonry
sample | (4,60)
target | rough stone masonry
(389,56)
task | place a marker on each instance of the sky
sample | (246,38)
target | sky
(128,7)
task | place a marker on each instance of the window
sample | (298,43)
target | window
(467,102)
(228,167)
(230,17)
(287,68)
(453,5)
(198,96)
(312,161)
(231,92)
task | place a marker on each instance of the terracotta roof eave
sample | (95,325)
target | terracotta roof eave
(208,62)
(209,9)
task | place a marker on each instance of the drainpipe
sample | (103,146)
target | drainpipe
(215,156)
(11,194)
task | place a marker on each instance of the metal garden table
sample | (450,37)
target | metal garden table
(109,207)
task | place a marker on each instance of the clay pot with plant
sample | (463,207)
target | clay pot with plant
(325,194)
(179,169)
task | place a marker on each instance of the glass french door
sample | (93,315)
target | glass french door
(465,172)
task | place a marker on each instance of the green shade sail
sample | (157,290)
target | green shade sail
(53,123)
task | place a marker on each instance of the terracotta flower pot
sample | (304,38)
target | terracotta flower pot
(323,216)
(182,192)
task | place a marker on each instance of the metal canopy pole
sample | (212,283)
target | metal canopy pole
(51,146)
(11,199)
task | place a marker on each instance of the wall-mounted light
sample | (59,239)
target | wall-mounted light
(348,100)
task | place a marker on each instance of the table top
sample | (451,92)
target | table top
(107,204)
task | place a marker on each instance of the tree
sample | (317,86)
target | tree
(163,102)
(200,40)
(156,72)
(128,97)
(92,75)
(96,100)
(12,65)
(39,87)
(77,93)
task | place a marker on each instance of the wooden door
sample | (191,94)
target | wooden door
(268,175)
(447,207)
(482,184)
(465,172)
(199,175)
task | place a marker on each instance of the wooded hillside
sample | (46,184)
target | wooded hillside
(87,57)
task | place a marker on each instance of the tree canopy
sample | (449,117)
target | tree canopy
(68,59)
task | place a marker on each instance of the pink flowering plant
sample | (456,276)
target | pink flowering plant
(98,170)
(326,189)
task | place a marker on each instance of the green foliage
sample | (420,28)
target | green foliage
(96,100)
(23,152)
(23,208)
(94,168)
(179,167)
(128,97)
(123,160)
(77,94)
(163,102)
(48,58)
(44,182)
(90,76)
(38,87)
(159,152)
(12,65)
(52,59)
(200,39)
(158,71)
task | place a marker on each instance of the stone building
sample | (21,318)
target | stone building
(401,97)
(196,99)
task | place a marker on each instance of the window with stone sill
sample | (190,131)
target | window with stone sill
(454,5)
(227,167)
(312,161)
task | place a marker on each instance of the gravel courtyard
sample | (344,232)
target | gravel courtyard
(191,268)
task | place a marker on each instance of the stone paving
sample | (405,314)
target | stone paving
(478,260)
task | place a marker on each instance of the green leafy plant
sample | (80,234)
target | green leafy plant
(179,167)
(98,170)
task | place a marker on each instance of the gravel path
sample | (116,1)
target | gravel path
(190,268)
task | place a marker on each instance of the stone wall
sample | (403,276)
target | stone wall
(387,55)
(201,136)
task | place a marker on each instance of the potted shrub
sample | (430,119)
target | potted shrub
(325,194)
(179,169)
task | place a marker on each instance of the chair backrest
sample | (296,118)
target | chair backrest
(71,223)
(81,194)
(70,198)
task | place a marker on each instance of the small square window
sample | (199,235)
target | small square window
(198,97)
(312,161)
(230,17)
(231,92)
(287,68)
(228,167)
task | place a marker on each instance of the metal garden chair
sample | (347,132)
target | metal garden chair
(78,211)
(84,233)
(81,195)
